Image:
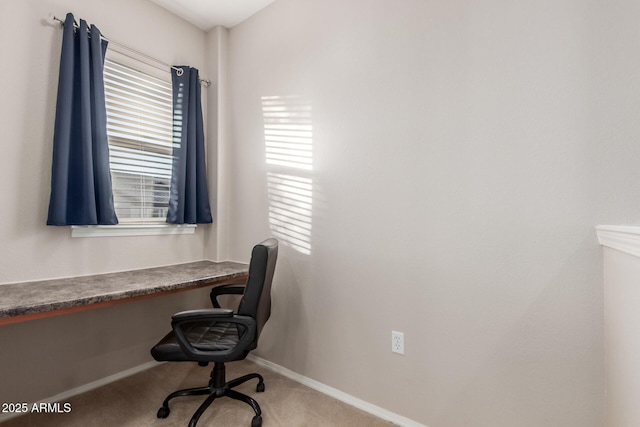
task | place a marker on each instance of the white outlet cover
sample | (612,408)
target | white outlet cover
(397,342)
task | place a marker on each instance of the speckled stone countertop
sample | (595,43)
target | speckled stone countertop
(28,298)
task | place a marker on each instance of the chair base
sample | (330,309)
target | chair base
(218,387)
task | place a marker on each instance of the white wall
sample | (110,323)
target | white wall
(622,341)
(216,243)
(45,357)
(462,154)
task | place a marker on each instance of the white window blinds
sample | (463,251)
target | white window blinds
(139,127)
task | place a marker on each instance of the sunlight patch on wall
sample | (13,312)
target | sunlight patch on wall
(288,131)
(288,135)
(290,207)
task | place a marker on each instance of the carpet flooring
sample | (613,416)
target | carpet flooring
(134,401)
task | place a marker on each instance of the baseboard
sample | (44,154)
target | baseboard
(337,394)
(87,387)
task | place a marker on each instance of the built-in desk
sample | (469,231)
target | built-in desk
(34,300)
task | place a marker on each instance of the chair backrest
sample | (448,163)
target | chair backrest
(256,300)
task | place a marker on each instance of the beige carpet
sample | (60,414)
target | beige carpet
(134,401)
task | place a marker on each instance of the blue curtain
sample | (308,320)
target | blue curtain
(80,176)
(188,198)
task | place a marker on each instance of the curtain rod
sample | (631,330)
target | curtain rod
(204,82)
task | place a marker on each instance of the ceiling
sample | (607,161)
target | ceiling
(206,14)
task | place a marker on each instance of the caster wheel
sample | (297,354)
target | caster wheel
(260,387)
(163,412)
(256,421)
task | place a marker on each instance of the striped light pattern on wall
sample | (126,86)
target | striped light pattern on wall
(288,134)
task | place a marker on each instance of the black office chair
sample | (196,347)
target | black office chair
(218,335)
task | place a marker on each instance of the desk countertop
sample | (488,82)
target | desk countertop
(35,299)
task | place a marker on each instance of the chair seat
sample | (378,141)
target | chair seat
(209,336)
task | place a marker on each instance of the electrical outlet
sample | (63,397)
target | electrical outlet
(397,342)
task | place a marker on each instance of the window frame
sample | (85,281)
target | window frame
(140,226)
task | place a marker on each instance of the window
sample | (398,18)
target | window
(140,132)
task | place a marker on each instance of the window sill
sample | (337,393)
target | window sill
(131,230)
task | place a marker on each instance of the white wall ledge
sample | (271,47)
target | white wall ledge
(131,230)
(624,238)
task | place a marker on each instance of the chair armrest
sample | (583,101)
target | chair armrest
(207,317)
(203,315)
(230,289)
